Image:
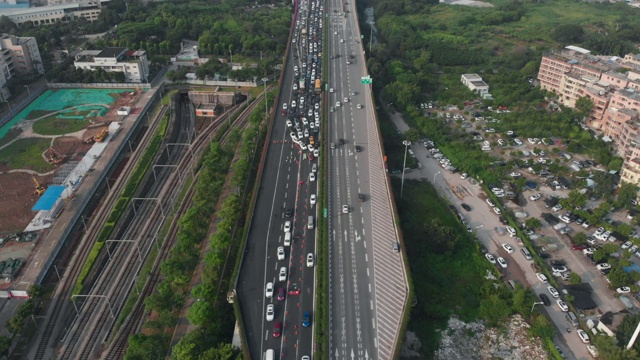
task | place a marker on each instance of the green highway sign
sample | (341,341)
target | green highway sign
(324,212)
(366,80)
(361,36)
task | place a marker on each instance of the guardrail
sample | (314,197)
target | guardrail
(98,85)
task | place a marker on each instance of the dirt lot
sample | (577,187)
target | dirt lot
(16,200)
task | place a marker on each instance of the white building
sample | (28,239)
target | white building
(45,15)
(133,64)
(475,83)
(18,55)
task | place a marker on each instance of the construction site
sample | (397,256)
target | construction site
(65,161)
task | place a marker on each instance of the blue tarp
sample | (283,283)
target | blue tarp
(49,198)
(633,267)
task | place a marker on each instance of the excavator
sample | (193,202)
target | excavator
(102,135)
(39,188)
(56,157)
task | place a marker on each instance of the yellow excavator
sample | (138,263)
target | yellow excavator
(39,188)
(103,134)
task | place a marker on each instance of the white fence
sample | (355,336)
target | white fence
(221,83)
(97,85)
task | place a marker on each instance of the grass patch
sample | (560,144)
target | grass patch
(26,154)
(34,114)
(56,126)
(446,265)
(12,134)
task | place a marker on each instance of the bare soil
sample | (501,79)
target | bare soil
(17,197)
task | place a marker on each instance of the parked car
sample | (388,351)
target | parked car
(584,337)
(502,262)
(545,299)
(542,277)
(623,290)
(562,305)
(508,248)
(490,258)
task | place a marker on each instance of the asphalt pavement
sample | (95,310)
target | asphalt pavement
(367,279)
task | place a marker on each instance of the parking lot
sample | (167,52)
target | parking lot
(482,220)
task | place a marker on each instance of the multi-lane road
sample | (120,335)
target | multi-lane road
(368,284)
(284,195)
(367,280)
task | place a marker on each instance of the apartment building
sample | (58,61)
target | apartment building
(133,64)
(46,15)
(631,171)
(18,55)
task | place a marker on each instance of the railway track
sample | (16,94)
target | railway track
(97,315)
(63,291)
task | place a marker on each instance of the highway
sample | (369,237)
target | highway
(367,280)
(285,185)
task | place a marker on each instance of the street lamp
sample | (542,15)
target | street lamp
(406,144)
(29,90)
(534,305)
(266,103)
(370,35)
(434,177)
(389,104)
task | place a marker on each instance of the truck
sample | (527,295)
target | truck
(301,85)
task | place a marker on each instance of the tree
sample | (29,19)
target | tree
(5,345)
(567,34)
(583,107)
(618,278)
(579,239)
(412,135)
(575,278)
(626,193)
(494,309)
(533,223)
(541,327)
(626,328)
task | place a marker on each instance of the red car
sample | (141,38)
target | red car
(277,329)
(280,294)
(284,112)
(294,289)
(578,247)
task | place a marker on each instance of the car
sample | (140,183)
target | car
(556,208)
(338,104)
(497,210)
(330,90)
(578,247)
(491,203)
(502,262)
(589,251)
(490,258)
(310,260)
(268,290)
(345,209)
(626,245)
(464,176)
(281,294)
(294,289)
(545,299)
(559,268)
(623,290)
(535,197)
(591,240)
(282,276)
(542,277)
(270,312)
(508,248)
(306,357)
(359,106)
(312,199)
(284,106)
(277,329)
(361,197)
(287,226)
(306,319)
(284,112)
(584,337)
(562,305)
(466,207)
(358,148)
(280,252)
(316,152)
(553,291)
(603,266)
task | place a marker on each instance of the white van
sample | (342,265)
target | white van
(287,239)
(310,222)
(270,355)
(526,253)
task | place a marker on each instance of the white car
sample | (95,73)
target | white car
(338,104)
(589,251)
(282,276)
(268,290)
(490,203)
(497,211)
(270,312)
(309,260)
(331,90)
(603,266)
(464,176)
(280,252)
(490,258)
(316,153)
(345,209)
(562,305)
(502,262)
(584,337)
(508,248)
(623,290)
(312,177)
(287,226)
(542,277)
(284,106)
(626,245)
(553,292)
(535,197)
(346,100)
(558,207)
(312,199)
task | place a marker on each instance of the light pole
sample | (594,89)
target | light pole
(434,177)
(370,35)
(534,305)
(29,90)
(7,101)
(266,103)
(389,104)
(406,144)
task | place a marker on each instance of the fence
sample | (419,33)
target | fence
(15,109)
(97,85)
(222,83)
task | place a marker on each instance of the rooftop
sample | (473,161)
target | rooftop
(111,52)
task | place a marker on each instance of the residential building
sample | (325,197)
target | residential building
(475,83)
(631,172)
(18,55)
(133,64)
(46,15)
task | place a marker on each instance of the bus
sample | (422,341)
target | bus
(301,85)
(318,86)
